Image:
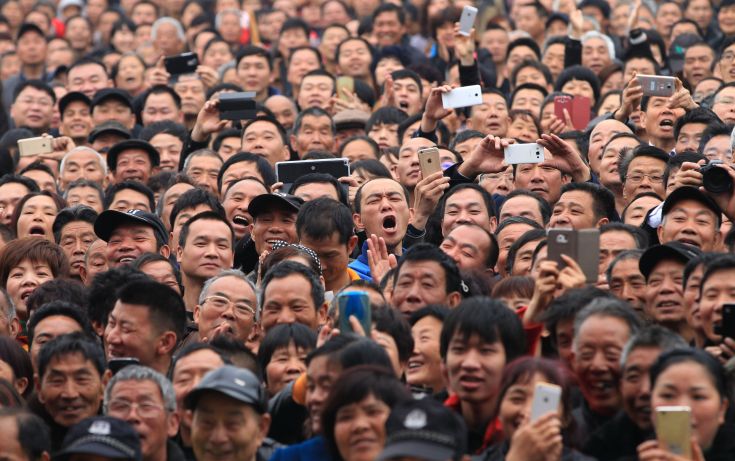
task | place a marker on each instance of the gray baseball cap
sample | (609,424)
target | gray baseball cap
(237,383)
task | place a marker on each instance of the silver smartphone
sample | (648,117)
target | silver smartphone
(657,85)
(467,20)
(524,153)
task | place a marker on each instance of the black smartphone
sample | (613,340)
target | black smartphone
(184,63)
(237,106)
(728,321)
(116,365)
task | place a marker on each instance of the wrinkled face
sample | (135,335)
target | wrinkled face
(82,164)
(288,300)
(207,250)
(315,134)
(544,179)
(473,368)
(203,170)
(635,385)
(384,211)
(600,135)
(133,165)
(664,293)
(418,284)
(692,223)
(127,242)
(599,343)
(129,333)
(595,54)
(88,196)
(573,210)
(23,279)
(724,102)
(609,160)
(659,119)
(612,243)
(315,91)
(359,431)
(645,174)
(228,309)
(698,61)
(466,207)
(75,238)
(271,226)
(718,148)
(715,292)
(71,389)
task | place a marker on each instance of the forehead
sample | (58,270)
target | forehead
(699,48)
(666,265)
(474,234)
(316,119)
(132,153)
(465,195)
(381,184)
(261,125)
(87,69)
(231,284)
(131,229)
(609,127)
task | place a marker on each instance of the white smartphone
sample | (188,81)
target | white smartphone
(657,85)
(467,20)
(524,153)
(34,146)
(546,399)
(463,96)
(674,429)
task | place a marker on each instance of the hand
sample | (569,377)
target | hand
(276,187)
(464,46)
(634,13)
(487,157)
(157,75)
(428,192)
(543,290)
(537,441)
(681,98)
(261,260)
(566,157)
(631,101)
(60,147)
(389,96)
(349,101)
(571,276)
(559,126)
(434,110)
(208,121)
(576,19)
(352,187)
(725,200)
(651,450)
(724,351)
(208,76)
(379,260)
(688,175)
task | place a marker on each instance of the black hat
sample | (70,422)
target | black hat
(671,250)
(424,429)
(110,126)
(726,3)
(601,5)
(103,436)
(268,202)
(112,93)
(70,97)
(122,146)
(690,193)
(238,383)
(28,27)
(109,220)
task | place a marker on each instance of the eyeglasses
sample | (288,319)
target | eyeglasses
(638,177)
(123,407)
(220,303)
(727,57)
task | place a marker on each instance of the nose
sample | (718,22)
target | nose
(627,293)
(218,434)
(70,390)
(598,361)
(286,316)
(471,360)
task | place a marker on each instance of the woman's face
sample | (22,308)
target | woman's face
(359,429)
(130,73)
(191,11)
(690,384)
(124,40)
(609,104)
(515,408)
(579,88)
(216,55)
(36,219)
(424,365)
(613,82)
(286,364)
(23,279)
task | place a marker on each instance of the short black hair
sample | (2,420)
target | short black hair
(102,294)
(530,235)
(36,84)
(579,73)
(72,214)
(295,23)
(193,198)
(137,186)
(164,127)
(673,164)
(408,73)
(60,308)
(603,201)
(486,197)
(281,336)
(639,236)
(566,306)
(436,311)
(57,290)
(527,42)
(24,180)
(73,343)
(385,116)
(205,215)
(696,115)
(429,252)
(160,89)
(166,310)
(34,436)
(714,129)
(392,322)
(374,148)
(321,178)
(312,112)
(261,164)
(640,151)
(319,219)
(286,268)
(543,205)
(390,8)
(224,134)
(539,66)
(252,50)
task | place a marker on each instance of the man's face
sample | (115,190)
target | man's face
(169,200)
(151,419)
(321,374)
(262,138)
(490,117)
(333,255)
(595,54)
(130,333)
(169,149)
(315,91)
(727,64)
(645,174)
(384,211)
(698,61)
(544,179)
(283,108)
(82,164)
(96,260)
(468,246)
(666,16)
(659,119)
(236,202)
(466,206)
(522,205)
(191,91)
(229,309)
(32,49)
(168,41)
(143,14)
(207,250)
(129,241)
(599,343)
(637,66)
(407,170)
(609,160)
(273,225)
(518,55)
(188,371)
(115,110)
(528,20)
(506,237)
(76,121)
(420,283)
(288,300)
(203,170)
(49,328)
(315,134)
(724,102)
(129,199)
(718,148)
(635,385)
(10,195)
(159,107)
(133,165)
(553,58)
(574,210)
(716,291)
(529,99)
(254,73)
(408,95)
(75,238)
(665,293)
(71,389)
(612,243)
(689,137)
(692,223)
(302,62)
(88,79)
(473,368)
(33,108)
(600,135)
(388,28)
(181,218)
(496,42)
(224,429)
(314,190)
(11,449)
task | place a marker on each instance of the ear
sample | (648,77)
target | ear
(493,224)
(106,376)
(351,244)
(83,274)
(45,456)
(357,219)
(453,299)
(445,373)
(718,240)
(394,172)
(131,120)
(322,314)
(37,387)
(660,232)
(166,343)
(263,427)
(188,417)
(292,140)
(165,251)
(286,153)
(21,384)
(602,222)
(98,328)
(721,412)
(173,424)
(197,313)
(16,328)
(179,254)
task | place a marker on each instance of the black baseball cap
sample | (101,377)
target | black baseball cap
(267,202)
(101,436)
(424,429)
(70,97)
(28,27)
(130,144)
(672,250)
(234,382)
(110,126)
(112,93)
(109,220)
(690,193)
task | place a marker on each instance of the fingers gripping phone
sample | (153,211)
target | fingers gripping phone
(429,161)
(524,153)
(582,245)
(657,85)
(34,146)
(345,83)
(354,304)
(674,430)
(546,399)
(464,96)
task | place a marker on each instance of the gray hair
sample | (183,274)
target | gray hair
(622,256)
(606,307)
(221,14)
(141,373)
(238,274)
(203,152)
(608,41)
(168,20)
(652,336)
(100,158)
(10,312)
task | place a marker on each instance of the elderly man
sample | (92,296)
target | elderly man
(168,36)
(227,306)
(82,163)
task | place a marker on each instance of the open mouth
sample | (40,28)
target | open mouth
(240,220)
(691,242)
(37,230)
(403,105)
(389,223)
(126,259)
(666,123)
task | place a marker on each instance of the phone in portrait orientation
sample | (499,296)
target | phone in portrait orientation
(581,112)
(354,304)
(464,96)
(546,399)
(727,330)
(524,153)
(34,146)
(345,83)
(184,63)
(674,430)
(118,364)
(429,161)
(582,245)
(561,103)
(657,85)
(467,20)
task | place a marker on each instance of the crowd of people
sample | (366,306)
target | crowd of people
(165,296)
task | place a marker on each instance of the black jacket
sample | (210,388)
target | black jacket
(615,440)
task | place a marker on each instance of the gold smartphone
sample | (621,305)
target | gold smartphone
(429,161)
(674,430)
(347,83)
(34,146)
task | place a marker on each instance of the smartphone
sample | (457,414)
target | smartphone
(524,153)
(237,106)
(582,245)
(116,365)
(463,96)
(357,304)
(727,330)
(657,85)
(562,102)
(673,430)
(581,110)
(429,161)
(34,146)
(546,399)
(467,20)
(184,63)
(345,83)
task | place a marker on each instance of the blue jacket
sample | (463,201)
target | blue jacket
(360,265)
(311,450)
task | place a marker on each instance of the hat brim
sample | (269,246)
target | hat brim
(690,193)
(416,449)
(655,255)
(268,202)
(91,448)
(109,220)
(123,134)
(190,401)
(130,144)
